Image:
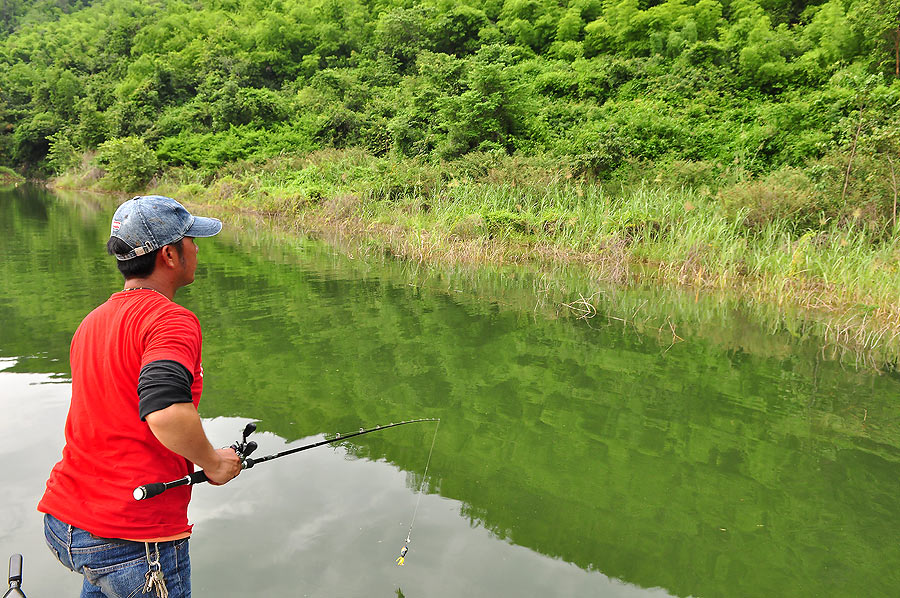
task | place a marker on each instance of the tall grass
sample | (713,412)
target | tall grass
(499,209)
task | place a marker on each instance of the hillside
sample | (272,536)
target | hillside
(700,90)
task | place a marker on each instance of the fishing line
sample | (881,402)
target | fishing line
(402,558)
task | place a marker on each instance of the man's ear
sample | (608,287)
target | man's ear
(167,256)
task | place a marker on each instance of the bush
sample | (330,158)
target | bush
(559,84)
(788,196)
(128,162)
(235,105)
(8,174)
(598,151)
(491,112)
(503,223)
(62,155)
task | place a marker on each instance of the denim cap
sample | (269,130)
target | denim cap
(147,222)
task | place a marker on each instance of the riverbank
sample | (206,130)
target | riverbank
(10,176)
(500,210)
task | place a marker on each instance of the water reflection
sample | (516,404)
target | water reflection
(680,467)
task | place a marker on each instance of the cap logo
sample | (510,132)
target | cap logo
(116,225)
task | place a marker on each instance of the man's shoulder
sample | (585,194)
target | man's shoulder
(150,311)
(169,312)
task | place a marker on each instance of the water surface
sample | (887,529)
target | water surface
(574,457)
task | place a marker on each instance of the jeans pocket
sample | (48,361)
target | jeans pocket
(121,580)
(57,546)
(55,552)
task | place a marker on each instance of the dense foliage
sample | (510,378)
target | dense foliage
(712,90)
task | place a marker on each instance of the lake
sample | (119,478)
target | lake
(575,456)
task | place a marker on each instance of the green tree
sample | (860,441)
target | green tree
(62,154)
(402,33)
(879,22)
(570,26)
(458,30)
(491,112)
(31,137)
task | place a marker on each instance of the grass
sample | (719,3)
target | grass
(8,175)
(491,209)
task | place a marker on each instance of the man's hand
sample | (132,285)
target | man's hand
(228,467)
(179,429)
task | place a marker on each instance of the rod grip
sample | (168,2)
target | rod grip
(149,491)
(15,568)
(198,477)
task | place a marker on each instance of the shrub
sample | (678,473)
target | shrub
(788,196)
(62,154)
(128,162)
(8,174)
(456,31)
(558,84)
(599,151)
(504,223)
(491,112)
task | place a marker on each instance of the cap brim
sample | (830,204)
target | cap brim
(204,227)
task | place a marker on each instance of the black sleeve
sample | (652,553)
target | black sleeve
(163,383)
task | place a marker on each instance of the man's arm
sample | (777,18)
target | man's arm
(179,429)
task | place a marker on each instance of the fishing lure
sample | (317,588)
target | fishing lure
(403,551)
(402,558)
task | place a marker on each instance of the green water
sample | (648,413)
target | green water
(574,457)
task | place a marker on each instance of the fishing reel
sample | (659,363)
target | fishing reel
(244,448)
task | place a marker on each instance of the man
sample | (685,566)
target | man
(136,383)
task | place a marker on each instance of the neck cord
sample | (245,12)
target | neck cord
(125,290)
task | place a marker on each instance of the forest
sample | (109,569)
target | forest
(740,88)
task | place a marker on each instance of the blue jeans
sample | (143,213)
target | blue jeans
(117,568)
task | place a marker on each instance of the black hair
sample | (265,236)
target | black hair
(141,266)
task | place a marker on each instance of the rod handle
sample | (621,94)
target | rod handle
(150,490)
(198,477)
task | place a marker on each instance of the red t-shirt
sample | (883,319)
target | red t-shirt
(109,451)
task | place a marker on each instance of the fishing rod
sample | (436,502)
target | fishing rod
(243,448)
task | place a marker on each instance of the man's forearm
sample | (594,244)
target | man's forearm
(179,429)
